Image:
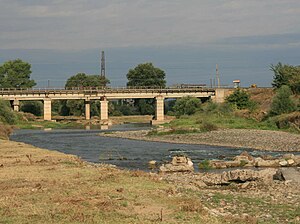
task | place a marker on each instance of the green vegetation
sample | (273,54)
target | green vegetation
(16,74)
(204,165)
(146,75)
(143,75)
(186,106)
(213,116)
(286,75)
(7,115)
(282,102)
(81,80)
(241,100)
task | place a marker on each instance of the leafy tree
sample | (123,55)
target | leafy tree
(282,101)
(286,75)
(7,115)
(76,107)
(33,107)
(186,106)
(16,74)
(240,99)
(146,75)
(83,80)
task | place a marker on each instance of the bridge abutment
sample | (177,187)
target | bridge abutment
(47,109)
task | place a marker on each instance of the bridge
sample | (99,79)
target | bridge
(106,94)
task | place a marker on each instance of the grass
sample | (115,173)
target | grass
(59,188)
(215,120)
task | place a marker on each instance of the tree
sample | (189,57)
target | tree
(16,74)
(146,75)
(76,107)
(33,107)
(186,106)
(240,99)
(282,102)
(286,75)
(83,80)
(7,115)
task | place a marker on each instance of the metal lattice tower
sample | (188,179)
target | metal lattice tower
(102,73)
(218,75)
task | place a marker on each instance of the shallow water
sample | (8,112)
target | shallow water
(125,153)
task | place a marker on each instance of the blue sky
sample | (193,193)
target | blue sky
(185,38)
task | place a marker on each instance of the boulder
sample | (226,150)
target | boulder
(178,164)
(290,174)
(238,176)
(259,162)
(283,162)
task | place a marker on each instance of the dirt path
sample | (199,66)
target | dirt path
(241,138)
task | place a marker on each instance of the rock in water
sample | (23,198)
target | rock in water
(178,164)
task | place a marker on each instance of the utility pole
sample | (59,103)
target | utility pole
(218,75)
(102,72)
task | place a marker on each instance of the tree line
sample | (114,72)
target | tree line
(16,74)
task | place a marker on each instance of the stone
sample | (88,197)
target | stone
(259,162)
(278,176)
(291,175)
(152,162)
(245,153)
(283,163)
(290,162)
(238,176)
(178,164)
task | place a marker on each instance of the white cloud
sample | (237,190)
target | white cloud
(79,24)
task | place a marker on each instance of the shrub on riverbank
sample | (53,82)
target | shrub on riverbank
(5,131)
(7,115)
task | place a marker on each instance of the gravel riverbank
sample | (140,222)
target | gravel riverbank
(240,138)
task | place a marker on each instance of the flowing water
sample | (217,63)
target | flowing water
(125,153)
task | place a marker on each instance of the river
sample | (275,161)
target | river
(124,153)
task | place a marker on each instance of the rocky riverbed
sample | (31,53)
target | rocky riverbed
(243,138)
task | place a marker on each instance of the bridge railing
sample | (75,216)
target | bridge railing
(100,89)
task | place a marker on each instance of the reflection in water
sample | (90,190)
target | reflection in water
(131,154)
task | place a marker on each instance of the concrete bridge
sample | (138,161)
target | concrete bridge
(106,94)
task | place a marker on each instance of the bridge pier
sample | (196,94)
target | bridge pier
(104,111)
(16,105)
(47,109)
(87,104)
(159,111)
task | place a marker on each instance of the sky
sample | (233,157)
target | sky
(185,38)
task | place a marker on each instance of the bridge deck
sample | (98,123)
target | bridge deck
(110,93)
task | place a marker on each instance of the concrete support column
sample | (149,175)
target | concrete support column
(87,109)
(221,94)
(159,109)
(16,105)
(47,109)
(103,109)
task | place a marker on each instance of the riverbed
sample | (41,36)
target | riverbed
(124,153)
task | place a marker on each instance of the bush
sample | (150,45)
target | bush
(205,165)
(206,126)
(282,102)
(186,106)
(241,100)
(7,115)
(5,131)
(33,107)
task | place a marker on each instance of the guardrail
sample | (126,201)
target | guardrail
(101,90)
